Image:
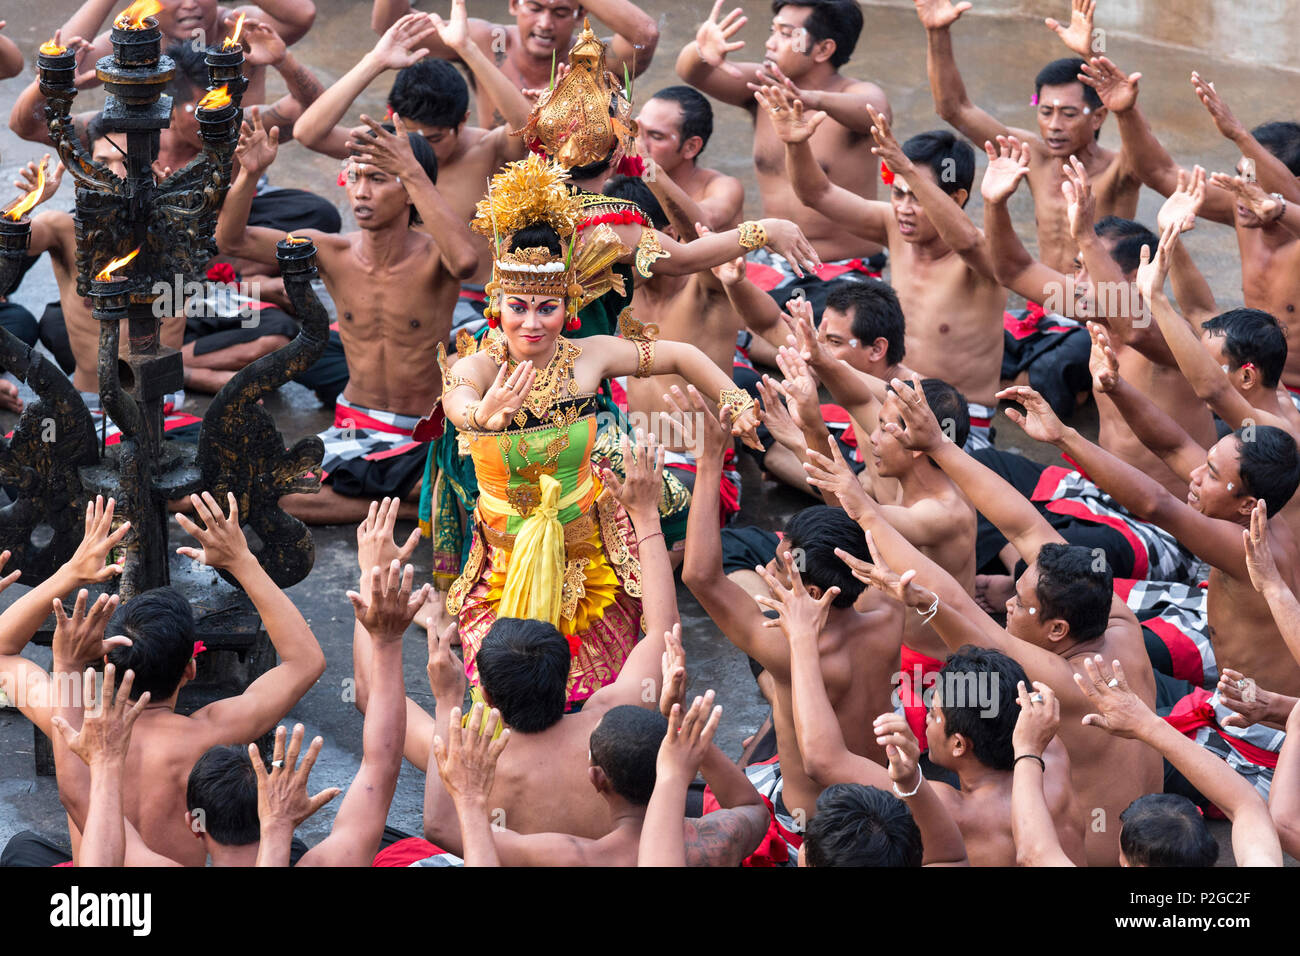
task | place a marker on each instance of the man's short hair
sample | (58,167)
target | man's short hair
(1282,139)
(861,826)
(160,623)
(190,80)
(431,93)
(221,796)
(1129,237)
(1270,468)
(814,534)
(1071,589)
(1166,829)
(523,668)
(634,189)
(838,20)
(424,155)
(950,408)
(1254,336)
(966,705)
(625,745)
(1063,72)
(874,313)
(950,158)
(697,114)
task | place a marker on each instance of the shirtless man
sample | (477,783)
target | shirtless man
(1070,116)
(858,651)
(1063,611)
(394,288)
(673,128)
(808,45)
(1270,253)
(467,155)
(265,41)
(160,624)
(940,263)
(971,740)
(527,51)
(1100,286)
(11,58)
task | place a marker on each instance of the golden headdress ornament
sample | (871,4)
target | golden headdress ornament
(531,192)
(583,117)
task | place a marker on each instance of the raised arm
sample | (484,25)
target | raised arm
(11,58)
(1212,539)
(1032,827)
(685,744)
(490,83)
(704,65)
(636,35)
(1122,713)
(266,47)
(801,617)
(1268,581)
(255,711)
(1270,172)
(255,152)
(290,18)
(795,126)
(402,44)
(385,614)
(1284,801)
(467,762)
(941,840)
(282,799)
(946,86)
(1013,266)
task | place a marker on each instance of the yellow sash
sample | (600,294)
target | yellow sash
(535,576)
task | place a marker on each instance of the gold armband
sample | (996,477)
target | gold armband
(471,412)
(648,252)
(451,380)
(752,235)
(739,400)
(645,350)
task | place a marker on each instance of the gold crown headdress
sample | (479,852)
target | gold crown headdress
(532,192)
(583,117)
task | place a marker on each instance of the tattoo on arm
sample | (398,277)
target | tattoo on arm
(308,87)
(719,838)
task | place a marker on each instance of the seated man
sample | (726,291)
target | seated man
(1064,609)
(940,263)
(390,329)
(967,726)
(1158,829)
(239,815)
(160,626)
(858,651)
(432,99)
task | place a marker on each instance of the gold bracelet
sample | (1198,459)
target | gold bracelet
(739,400)
(752,235)
(646,357)
(471,419)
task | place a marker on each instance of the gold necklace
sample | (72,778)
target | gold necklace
(554,383)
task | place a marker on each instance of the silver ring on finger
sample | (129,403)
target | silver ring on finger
(1113,682)
(277,764)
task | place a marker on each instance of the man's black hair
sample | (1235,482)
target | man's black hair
(1129,238)
(190,80)
(1282,139)
(1252,335)
(949,407)
(950,158)
(697,114)
(1063,72)
(221,796)
(160,623)
(814,534)
(1166,829)
(1071,589)
(625,744)
(431,93)
(1270,468)
(861,826)
(634,189)
(838,20)
(966,706)
(874,313)
(523,668)
(424,155)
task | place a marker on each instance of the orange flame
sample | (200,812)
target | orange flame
(215,99)
(295,240)
(133,17)
(50,48)
(106,273)
(232,41)
(20,208)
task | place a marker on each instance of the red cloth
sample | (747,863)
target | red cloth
(913,666)
(774,850)
(1195,711)
(405,852)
